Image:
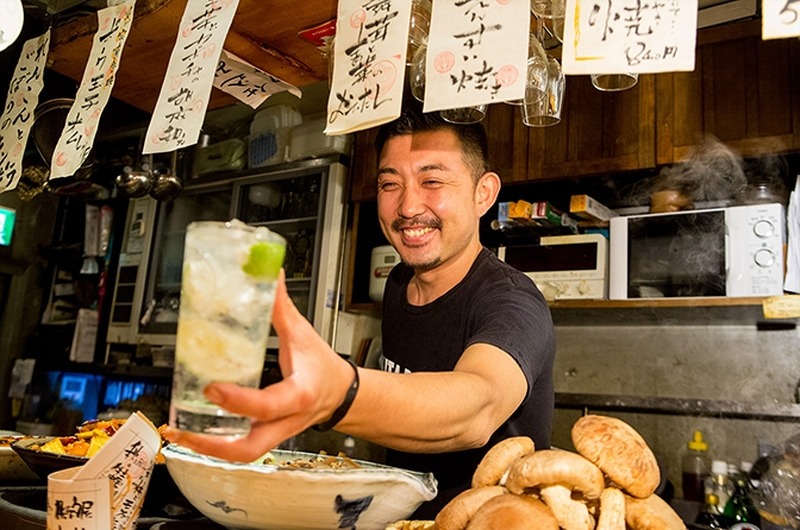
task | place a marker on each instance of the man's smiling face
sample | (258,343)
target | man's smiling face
(426,198)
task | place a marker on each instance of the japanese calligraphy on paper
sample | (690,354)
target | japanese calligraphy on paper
(780,19)
(21,101)
(369,64)
(247,83)
(77,138)
(618,36)
(107,492)
(183,99)
(477,53)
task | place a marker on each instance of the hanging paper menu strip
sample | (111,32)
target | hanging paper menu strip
(21,101)
(77,138)
(619,36)
(247,83)
(477,53)
(369,64)
(780,19)
(182,102)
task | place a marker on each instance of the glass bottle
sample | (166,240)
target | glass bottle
(740,508)
(717,492)
(695,465)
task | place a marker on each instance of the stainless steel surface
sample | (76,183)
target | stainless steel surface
(782,412)
(25,508)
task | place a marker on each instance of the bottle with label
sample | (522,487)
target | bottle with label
(740,508)
(695,467)
(717,492)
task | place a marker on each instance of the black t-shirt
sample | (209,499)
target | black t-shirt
(494,304)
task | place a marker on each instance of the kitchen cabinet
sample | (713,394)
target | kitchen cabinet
(600,132)
(363,170)
(744,91)
(508,143)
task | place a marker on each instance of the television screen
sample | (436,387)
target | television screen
(7,218)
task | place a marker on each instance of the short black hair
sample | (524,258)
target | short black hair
(471,137)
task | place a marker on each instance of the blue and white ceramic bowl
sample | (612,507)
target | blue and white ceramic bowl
(271,496)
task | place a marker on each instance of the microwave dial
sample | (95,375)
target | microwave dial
(764,257)
(764,228)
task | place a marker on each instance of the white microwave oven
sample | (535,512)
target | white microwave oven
(732,251)
(566,267)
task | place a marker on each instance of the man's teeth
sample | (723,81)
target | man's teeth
(416,232)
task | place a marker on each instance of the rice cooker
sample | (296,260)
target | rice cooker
(383,259)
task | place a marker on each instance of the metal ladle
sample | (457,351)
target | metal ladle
(135,182)
(167,185)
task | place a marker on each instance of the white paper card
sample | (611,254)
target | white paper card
(99,75)
(619,36)
(84,337)
(124,464)
(780,19)
(247,83)
(369,64)
(21,100)
(791,282)
(21,377)
(77,505)
(183,100)
(477,53)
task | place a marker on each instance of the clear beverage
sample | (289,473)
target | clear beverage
(227,293)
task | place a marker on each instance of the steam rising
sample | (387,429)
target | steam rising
(713,172)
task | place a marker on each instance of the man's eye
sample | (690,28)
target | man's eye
(431,183)
(386,186)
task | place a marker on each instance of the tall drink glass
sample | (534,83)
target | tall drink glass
(227,293)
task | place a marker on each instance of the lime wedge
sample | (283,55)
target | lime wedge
(265,261)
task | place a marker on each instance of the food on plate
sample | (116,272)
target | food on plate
(457,513)
(554,466)
(320,461)
(513,512)
(496,462)
(90,437)
(411,525)
(516,486)
(612,510)
(652,513)
(571,514)
(6,441)
(619,451)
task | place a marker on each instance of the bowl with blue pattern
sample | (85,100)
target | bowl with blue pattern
(297,490)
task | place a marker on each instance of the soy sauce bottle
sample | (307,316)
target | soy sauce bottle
(695,468)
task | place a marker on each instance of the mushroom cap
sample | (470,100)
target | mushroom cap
(499,458)
(457,513)
(553,466)
(513,512)
(619,451)
(651,513)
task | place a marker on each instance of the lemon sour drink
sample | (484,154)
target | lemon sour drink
(230,271)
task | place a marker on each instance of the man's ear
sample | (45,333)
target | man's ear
(486,191)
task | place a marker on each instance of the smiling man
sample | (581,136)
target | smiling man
(468,342)
(452,306)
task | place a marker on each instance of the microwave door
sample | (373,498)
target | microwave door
(677,255)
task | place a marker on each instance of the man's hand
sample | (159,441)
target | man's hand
(315,379)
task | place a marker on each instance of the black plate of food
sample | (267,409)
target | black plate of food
(161,491)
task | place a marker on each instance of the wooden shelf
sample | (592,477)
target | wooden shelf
(710,301)
(703,311)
